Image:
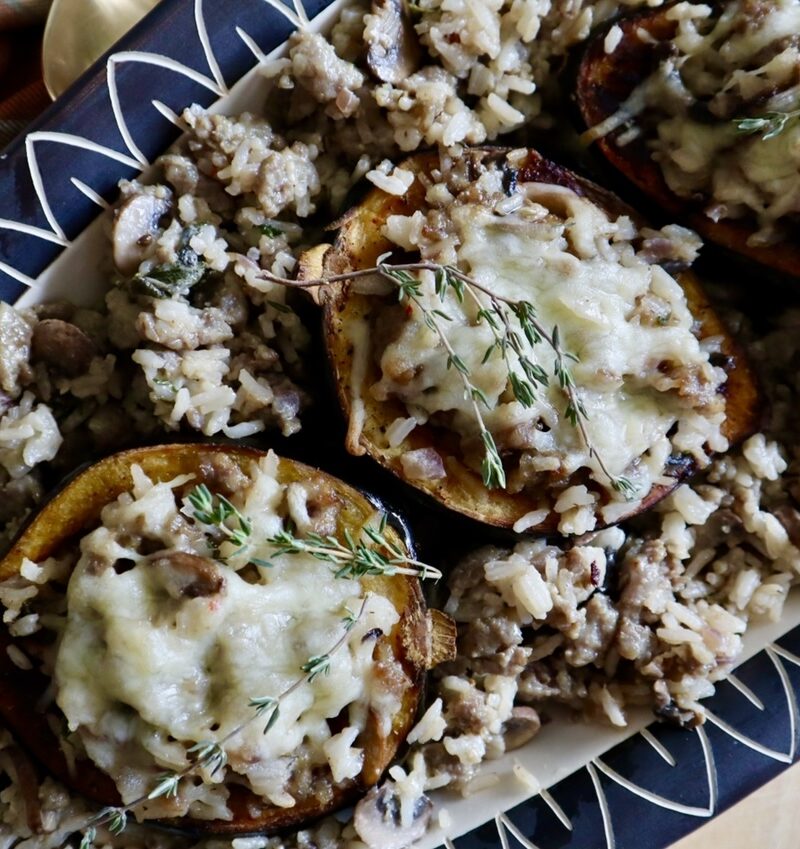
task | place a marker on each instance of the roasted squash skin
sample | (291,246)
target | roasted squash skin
(358,245)
(419,640)
(605,81)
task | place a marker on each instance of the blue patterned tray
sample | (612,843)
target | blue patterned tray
(642,793)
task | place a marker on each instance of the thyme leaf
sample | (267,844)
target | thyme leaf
(215,511)
(116,819)
(494,475)
(264,704)
(624,487)
(769,125)
(88,838)
(207,754)
(169,279)
(167,786)
(349,619)
(317,665)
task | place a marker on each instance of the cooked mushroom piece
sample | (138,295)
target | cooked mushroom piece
(63,346)
(522,727)
(136,224)
(394,52)
(378,819)
(186,575)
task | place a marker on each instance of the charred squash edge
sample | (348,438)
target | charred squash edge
(358,245)
(416,639)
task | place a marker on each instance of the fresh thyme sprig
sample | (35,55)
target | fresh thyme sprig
(168,784)
(355,558)
(211,755)
(214,510)
(352,559)
(506,338)
(770,124)
(264,705)
(349,619)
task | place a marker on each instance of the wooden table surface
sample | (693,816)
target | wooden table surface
(768,819)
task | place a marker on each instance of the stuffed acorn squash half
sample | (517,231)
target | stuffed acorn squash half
(214,638)
(513,341)
(698,106)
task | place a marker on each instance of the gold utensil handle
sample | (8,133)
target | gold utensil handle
(79,31)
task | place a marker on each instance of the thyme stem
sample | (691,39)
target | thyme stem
(355,559)
(494,475)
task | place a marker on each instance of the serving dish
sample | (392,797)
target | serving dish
(597,785)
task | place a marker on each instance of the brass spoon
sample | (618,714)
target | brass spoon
(79,31)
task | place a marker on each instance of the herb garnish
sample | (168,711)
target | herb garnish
(210,755)
(497,314)
(177,278)
(318,665)
(214,510)
(170,279)
(352,559)
(355,559)
(770,124)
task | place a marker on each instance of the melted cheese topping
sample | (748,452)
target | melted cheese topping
(643,376)
(150,663)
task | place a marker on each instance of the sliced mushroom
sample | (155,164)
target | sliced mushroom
(394,51)
(377,819)
(187,575)
(433,638)
(522,726)
(135,226)
(443,638)
(62,346)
